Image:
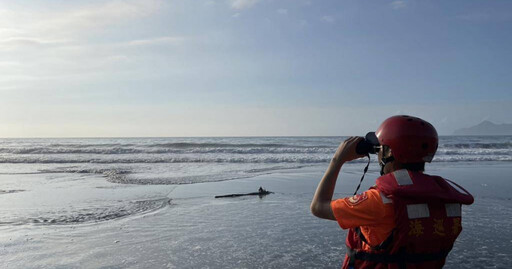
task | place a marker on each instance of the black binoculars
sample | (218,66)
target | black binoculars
(369,145)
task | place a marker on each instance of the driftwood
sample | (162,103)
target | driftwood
(260,193)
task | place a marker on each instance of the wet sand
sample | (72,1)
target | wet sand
(92,223)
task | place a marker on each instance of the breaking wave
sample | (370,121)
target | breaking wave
(257,149)
(213,159)
(90,214)
(10,191)
(192,160)
(505,145)
(440,157)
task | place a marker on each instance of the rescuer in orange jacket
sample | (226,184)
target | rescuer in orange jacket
(408,219)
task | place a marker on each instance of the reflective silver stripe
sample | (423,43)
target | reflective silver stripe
(457,188)
(453,210)
(385,200)
(402,177)
(418,211)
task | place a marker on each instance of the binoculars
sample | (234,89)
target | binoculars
(369,145)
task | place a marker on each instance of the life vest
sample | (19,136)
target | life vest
(427,217)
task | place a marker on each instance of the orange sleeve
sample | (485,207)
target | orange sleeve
(365,209)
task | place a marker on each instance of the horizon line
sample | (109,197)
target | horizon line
(247,136)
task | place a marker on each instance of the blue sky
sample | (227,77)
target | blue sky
(250,67)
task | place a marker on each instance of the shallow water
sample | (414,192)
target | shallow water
(93,223)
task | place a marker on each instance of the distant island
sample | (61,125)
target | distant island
(486,128)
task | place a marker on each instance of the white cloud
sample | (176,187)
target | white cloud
(119,58)
(10,64)
(109,13)
(166,40)
(282,11)
(35,61)
(243,4)
(329,19)
(17,42)
(53,44)
(398,4)
(10,31)
(76,21)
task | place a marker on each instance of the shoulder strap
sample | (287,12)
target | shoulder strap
(386,243)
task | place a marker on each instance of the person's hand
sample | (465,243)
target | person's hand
(347,150)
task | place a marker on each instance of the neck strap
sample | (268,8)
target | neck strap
(364,173)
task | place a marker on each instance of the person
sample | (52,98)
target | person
(408,219)
(261,190)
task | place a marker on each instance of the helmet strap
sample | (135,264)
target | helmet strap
(383,162)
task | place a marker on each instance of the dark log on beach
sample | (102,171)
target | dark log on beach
(263,193)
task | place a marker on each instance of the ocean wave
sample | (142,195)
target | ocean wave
(180,180)
(244,159)
(143,147)
(461,158)
(148,160)
(91,214)
(271,151)
(10,191)
(138,179)
(115,151)
(86,145)
(230,145)
(57,150)
(477,145)
(79,170)
(472,151)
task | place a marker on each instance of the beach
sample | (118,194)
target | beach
(64,218)
(123,121)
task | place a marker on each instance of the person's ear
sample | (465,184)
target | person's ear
(386,152)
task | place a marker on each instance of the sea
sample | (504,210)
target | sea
(196,160)
(148,202)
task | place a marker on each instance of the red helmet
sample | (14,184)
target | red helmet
(411,139)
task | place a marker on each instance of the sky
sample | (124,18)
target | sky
(137,68)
